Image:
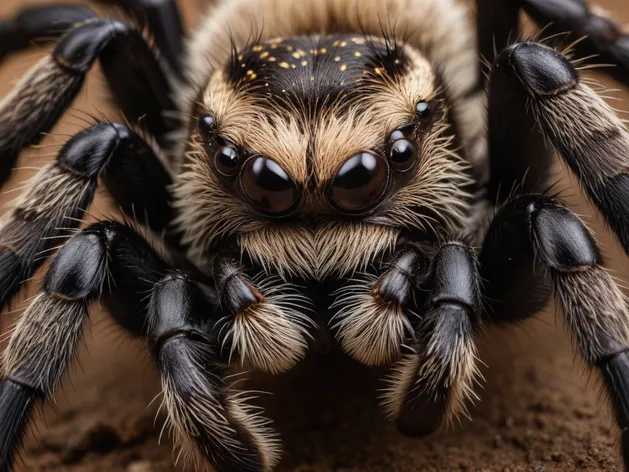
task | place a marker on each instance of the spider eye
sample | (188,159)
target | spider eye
(403,155)
(360,183)
(207,125)
(268,187)
(423,110)
(226,161)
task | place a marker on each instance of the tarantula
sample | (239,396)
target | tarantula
(338,167)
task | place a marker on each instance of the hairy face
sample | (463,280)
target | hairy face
(315,154)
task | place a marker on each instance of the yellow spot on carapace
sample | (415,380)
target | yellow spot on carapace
(336,43)
(272,59)
(304,63)
(293,66)
(337,58)
(342,44)
(284,65)
(301,52)
(257,48)
(273,46)
(357,54)
(323,50)
(249,72)
(266,84)
(296,55)
(253,76)
(358,40)
(289,48)
(264,54)
(343,67)
(378,70)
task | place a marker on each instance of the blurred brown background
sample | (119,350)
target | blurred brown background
(539,412)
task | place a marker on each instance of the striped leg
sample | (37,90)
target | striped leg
(61,192)
(602,39)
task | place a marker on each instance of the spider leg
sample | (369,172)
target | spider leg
(429,387)
(589,136)
(39,23)
(135,76)
(590,300)
(266,324)
(601,37)
(372,321)
(166,26)
(59,194)
(109,261)
(210,423)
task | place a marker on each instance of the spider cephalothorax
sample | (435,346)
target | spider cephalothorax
(312,165)
(315,153)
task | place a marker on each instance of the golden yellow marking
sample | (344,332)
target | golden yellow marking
(336,43)
(257,48)
(304,63)
(272,59)
(358,40)
(293,66)
(264,54)
(323,50)
(266,84)
(301,52)
(253,76)
(284,65)
(343,44)
(289,48)
(273,46)
(343,67)
(296,55)
(357,54)
(342,82)
(378,70)
(240,57)
(249,72)
(337,58)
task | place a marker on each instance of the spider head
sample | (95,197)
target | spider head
(316,153)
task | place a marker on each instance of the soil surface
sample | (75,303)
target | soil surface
(538,410)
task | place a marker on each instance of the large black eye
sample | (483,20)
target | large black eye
(226,161)
(360,183)
(268,187)
(403,155)
(207,125)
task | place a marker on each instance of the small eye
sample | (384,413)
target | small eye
(403,155)
(226,161)
(268,187)
(360,184)
(207,125)
(423,110)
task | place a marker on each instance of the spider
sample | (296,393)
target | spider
(300,166)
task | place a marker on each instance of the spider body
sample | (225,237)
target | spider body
(336,169)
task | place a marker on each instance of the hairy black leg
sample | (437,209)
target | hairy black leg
(601,37)
(46,337)
(429,387)
(165,23)
(138,83)
(589,136)
(372,321)
(38,23)
(211,424)
(592,303)
(266,323)
(60,193)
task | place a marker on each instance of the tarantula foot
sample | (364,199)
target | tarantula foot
(371,324)
(541,70)
(268,329)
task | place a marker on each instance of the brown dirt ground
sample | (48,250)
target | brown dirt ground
(538,412)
